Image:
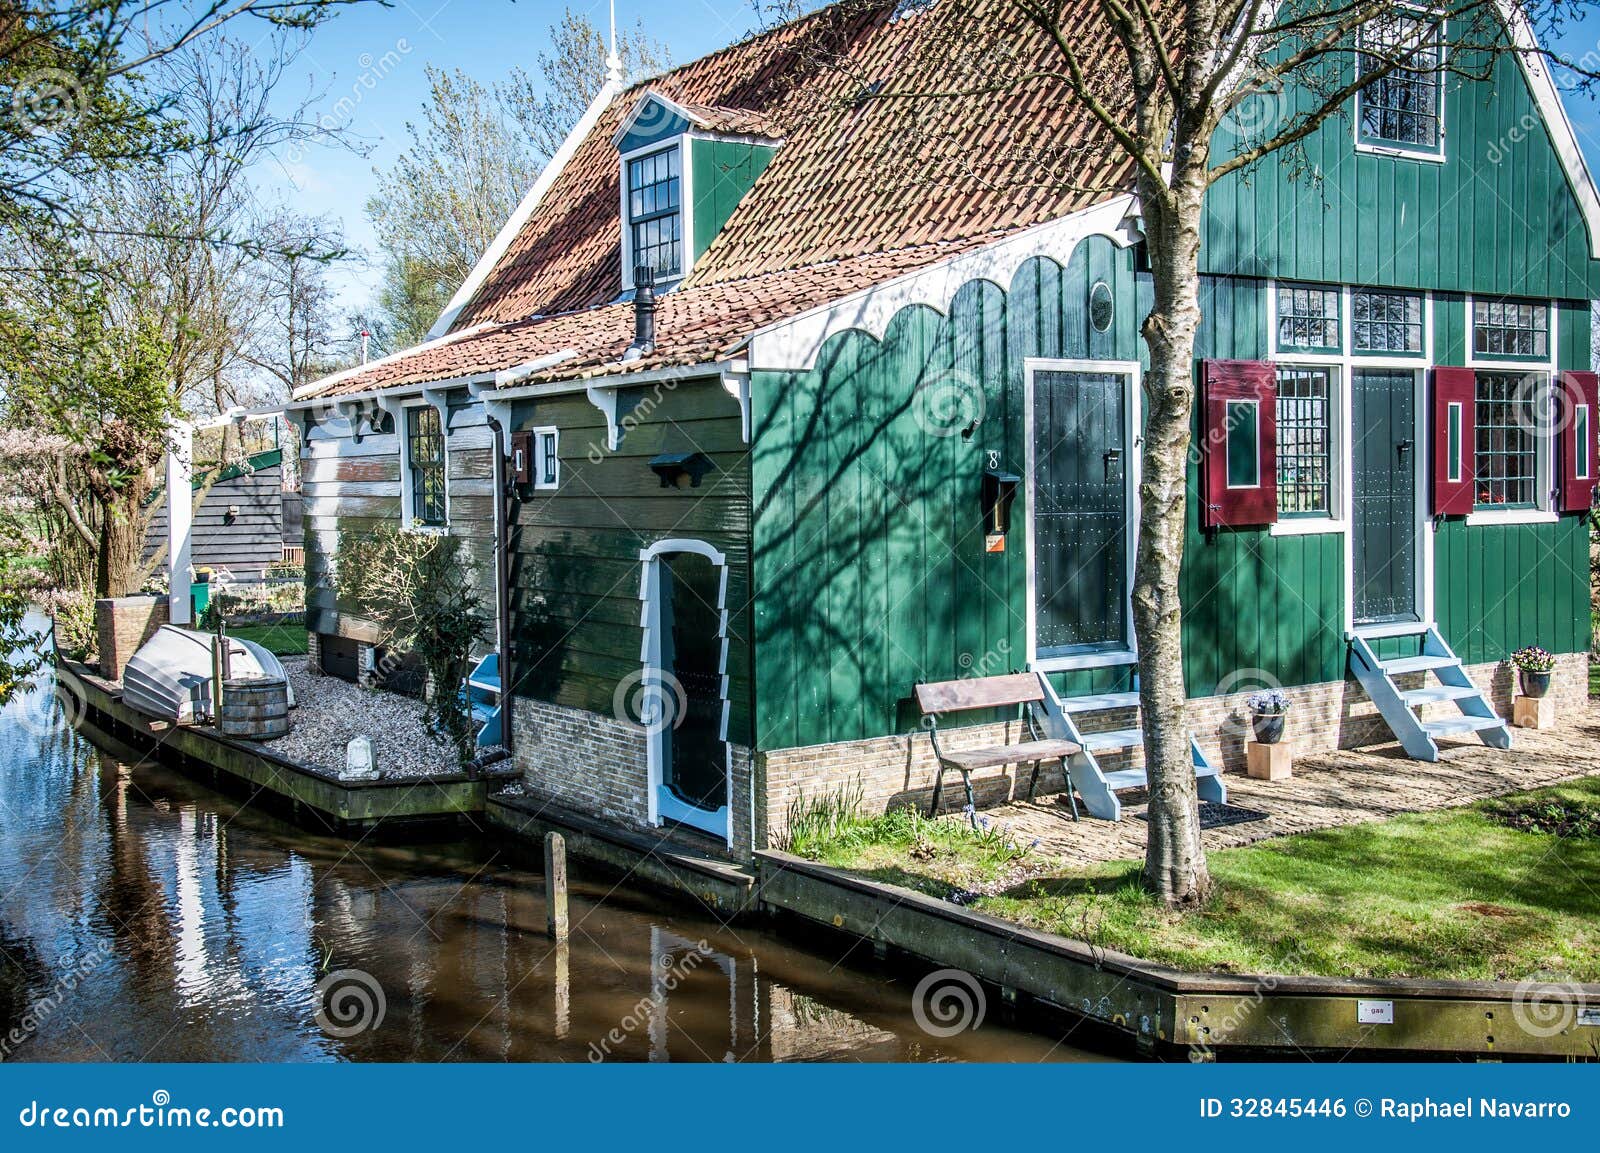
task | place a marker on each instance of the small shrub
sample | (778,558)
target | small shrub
(1560,818)
(73,613)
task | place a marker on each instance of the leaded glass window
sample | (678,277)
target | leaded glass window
(1386,321)
(1507,456)
(1401,106)
(1308,318)
(1510,328)
(1305,442)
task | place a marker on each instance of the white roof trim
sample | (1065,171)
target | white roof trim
(513,226)
(792,344)
(316,386)
(1543,86)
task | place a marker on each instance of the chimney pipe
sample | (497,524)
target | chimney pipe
(644,311)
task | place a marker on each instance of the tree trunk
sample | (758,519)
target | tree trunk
(1175,865)
(120,562)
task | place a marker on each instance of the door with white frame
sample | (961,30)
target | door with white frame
(1082,477)
(684,684)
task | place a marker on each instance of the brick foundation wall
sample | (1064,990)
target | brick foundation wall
(122,624)
(595,764)
(901,769)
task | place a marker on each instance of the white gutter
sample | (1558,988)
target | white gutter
(521,372)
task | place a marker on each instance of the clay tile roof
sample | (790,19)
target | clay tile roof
(874,178)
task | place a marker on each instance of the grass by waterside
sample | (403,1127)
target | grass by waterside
(1455,893)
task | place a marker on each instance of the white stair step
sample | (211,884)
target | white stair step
(1437,694)
(1113,739)
(1100,702)
(1403,665)
(1127,779)
(1451,726)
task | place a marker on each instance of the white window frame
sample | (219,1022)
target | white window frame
(537,462)
(1400,151)
(685,208)
(1336,364)
(1347,363)
(1133,424)
(408,515)
(1544,445)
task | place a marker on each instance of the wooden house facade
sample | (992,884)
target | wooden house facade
(795,409)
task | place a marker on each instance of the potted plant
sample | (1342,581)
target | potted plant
(1533,666)
(1269,708)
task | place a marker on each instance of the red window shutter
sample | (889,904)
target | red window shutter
(1454,438)
(1239,461)
(1575,454)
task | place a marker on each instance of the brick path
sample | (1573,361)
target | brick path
(1344,788)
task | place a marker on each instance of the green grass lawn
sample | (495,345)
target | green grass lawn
(285,640)
(1448,894)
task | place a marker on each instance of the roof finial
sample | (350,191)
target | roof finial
(614,61)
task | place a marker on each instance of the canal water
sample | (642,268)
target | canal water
(145,917)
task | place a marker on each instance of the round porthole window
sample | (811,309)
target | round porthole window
(1101,306)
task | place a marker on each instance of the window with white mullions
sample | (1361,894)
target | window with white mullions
(425,460)
(1506,460)
(1305,443)
(1386,322)
(1401,106)
(1510,328)
(655,212)
(1308,318)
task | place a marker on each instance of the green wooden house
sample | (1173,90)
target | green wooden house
(776,398)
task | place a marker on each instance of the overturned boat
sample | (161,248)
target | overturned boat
(170,676)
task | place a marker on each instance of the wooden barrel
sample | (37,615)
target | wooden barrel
(255,708)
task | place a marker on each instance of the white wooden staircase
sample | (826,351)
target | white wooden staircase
(1399,706)
(1072,718)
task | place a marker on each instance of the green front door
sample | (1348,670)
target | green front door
(1383,536)
(1080,514)
(694,769)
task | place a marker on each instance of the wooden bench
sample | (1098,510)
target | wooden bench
(1023,690)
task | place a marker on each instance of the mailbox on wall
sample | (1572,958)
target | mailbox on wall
(998,490)
(522,458)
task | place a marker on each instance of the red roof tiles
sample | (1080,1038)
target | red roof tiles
(935,160)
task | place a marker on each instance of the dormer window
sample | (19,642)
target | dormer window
(655,212)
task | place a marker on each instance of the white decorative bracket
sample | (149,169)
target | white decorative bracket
(607,401)
(498,411)
(736,383)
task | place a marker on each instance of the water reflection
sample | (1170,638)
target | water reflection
(144,917)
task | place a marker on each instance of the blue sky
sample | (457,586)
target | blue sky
(367,66)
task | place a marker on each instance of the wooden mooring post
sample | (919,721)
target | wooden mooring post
(555,885)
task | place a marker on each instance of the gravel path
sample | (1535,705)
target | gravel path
(332,712)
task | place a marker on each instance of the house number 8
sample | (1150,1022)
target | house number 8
(994,458)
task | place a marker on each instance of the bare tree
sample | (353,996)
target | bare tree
(1159,81)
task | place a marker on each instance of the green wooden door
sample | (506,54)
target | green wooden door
(1383,535)
(1080,513)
